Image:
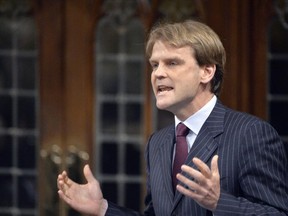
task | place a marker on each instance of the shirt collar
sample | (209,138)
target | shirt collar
(196,121)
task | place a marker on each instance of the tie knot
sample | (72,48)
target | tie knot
(182,130)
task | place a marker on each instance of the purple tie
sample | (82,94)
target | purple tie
(181,151)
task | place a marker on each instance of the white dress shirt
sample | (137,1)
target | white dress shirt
(196,121)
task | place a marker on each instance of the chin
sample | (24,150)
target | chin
(163,107)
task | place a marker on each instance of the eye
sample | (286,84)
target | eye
(172,63)
(154,65)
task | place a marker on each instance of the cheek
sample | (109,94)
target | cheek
(152,77)
(153,82)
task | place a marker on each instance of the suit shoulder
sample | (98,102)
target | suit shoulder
(243,119)
(163,132)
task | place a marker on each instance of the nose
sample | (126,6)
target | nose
(159,72)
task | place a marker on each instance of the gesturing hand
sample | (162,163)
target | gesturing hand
(205,186)
(85,198)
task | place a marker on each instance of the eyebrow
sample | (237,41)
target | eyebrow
(176,58)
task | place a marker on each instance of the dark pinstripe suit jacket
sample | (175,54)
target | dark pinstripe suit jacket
(252,164)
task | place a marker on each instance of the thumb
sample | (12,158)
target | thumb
(88,174)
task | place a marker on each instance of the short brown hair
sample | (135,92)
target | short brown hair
(206,44)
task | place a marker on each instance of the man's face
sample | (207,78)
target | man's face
(177,79)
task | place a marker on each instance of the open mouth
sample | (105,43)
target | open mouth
(164,89)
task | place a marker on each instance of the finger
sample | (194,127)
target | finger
(196,175)
(66,180)
(188,192)
(64,196)
(214,165)
(191,185)
(61,180)
(88,174)
(202,167)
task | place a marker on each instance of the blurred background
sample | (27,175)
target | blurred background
(75,89)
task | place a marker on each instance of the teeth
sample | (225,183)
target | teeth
(164,88)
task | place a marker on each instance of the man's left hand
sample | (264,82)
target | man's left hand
(205,186)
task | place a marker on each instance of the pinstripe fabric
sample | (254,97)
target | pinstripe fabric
(252,164)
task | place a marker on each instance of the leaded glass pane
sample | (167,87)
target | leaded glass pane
(278,117)
(109,158)
(109,118)
(278,38)
(26,113)
(26,35)
(5,71)
(6,111)
(132,201)
(6,155)
(26,73)
(133,165)
(107,36)
(5,33)
(110,189)
(27,191)
(108,79)
(26,152)
(134,38)
(134,81)
(6,188)
(279,76)
(133,115)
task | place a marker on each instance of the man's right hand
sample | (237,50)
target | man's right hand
(85,198)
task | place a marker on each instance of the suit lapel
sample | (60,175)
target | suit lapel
(165,154)
(205,144)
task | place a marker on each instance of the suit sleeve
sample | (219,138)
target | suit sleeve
(263,175)
(115,210)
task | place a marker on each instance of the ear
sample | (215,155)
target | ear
(208,72)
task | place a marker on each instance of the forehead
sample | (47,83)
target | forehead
(164,49)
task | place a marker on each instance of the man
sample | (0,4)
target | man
(236,163)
